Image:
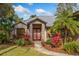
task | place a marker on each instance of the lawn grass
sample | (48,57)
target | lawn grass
(23,51)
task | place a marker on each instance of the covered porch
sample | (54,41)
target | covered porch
(37,30)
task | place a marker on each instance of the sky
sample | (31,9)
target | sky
(25,10)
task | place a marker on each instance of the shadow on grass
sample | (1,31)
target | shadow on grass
(8,50)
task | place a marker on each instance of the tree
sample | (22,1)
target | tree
(6,10)
(7,19)
(32,16)
(65,23)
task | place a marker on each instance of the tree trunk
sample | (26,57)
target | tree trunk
(65,36)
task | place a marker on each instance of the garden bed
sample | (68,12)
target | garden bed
(32,45)
(56,49)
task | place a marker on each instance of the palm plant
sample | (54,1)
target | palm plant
(66,24)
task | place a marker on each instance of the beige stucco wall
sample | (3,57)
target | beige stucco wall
(20,25)
(43,30)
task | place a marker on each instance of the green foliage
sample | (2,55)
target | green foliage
(7,20)
(71,47)
(64,21)
(6,10)
(77,46)
(48,41)
(53,33)
(20,42)
(3,37)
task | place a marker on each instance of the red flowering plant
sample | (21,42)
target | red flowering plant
(26,36)
(56,39)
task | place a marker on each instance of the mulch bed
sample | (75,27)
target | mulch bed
(4,46)
(32,45)
(56,49)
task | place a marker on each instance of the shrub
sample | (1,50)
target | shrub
(77,46)
(56,40)
(48,41)
(3,37)
(26,36)
(71,47)
(20,42)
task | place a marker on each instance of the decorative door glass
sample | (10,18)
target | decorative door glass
(36,34)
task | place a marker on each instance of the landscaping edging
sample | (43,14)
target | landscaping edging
(7,49)
(46,46)
(29,46)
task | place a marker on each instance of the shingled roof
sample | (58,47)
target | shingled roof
(48,19)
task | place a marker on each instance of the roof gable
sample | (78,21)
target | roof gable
(48,19)
(36,19)
(19,23)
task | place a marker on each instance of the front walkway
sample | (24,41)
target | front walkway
(41,49)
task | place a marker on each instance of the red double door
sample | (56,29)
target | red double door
(37,34)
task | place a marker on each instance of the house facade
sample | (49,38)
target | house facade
(36,27)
